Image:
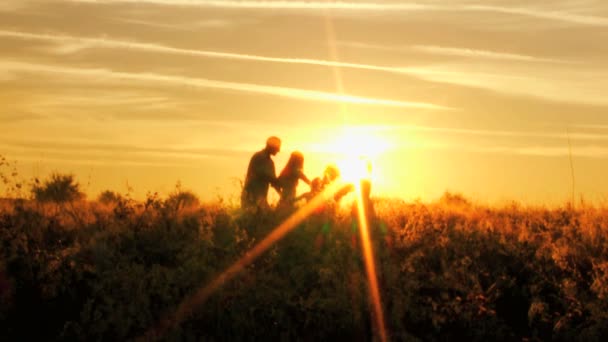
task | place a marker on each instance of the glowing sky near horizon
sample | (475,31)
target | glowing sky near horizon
(468,96)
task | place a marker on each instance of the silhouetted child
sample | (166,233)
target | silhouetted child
(316,186)
(289,178)
(330,175)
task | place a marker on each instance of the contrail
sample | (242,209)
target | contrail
(112,43)
(287,5)
(475,53)
(294,93)
(539,13)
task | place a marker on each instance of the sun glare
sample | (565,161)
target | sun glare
(359,141)
(357,149)
(354,169)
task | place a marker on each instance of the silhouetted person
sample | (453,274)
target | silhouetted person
(260,176)
(289,178)
(316,186)
(330,175)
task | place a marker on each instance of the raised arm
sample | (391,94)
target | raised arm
(304,178)
(272,178)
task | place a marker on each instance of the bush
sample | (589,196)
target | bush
(60,188)
(109,197)
(182,199)
(445,273)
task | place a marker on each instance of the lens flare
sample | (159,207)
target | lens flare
(352,144)
(354,169)
(202,294)
(370,264)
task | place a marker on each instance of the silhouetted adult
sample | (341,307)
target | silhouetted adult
(289,178)
(260,176)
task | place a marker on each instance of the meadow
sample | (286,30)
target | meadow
(113,267)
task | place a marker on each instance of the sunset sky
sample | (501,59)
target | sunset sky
(475,97)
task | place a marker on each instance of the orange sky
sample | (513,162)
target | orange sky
(469,96)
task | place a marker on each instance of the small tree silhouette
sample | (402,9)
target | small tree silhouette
(180,198)
(59,188)
(109,197)
(454,199)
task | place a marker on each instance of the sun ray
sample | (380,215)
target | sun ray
(370,264)
(202,294)
(351,172)
(189,304)
(354,166)
(330,32)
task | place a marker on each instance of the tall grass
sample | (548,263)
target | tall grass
(451,269)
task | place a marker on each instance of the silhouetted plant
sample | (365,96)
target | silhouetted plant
(454,199)
(9,177)
(109,197)
(180,198)
(59,188)
(446,272)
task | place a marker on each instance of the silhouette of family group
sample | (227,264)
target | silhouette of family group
(261,175)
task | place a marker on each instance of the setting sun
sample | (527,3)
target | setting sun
(356,151)
(359,141)
(353,170)
(254,169)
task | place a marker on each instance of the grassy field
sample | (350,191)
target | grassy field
(87,270)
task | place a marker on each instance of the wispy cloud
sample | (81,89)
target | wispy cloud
(109,149)
(550,151)
(18,116)
(5,76)
(294,93)
(455,51)
(115,99)
(202,24)
(552,84)
(102,153)
(546,151)
(592,126)
(474,53)
(534,12)
(287,5)
(89,160)
(69,44)
(543,13)
(502,133)
(510,83)
(91,152)
(557,134)
(13,5)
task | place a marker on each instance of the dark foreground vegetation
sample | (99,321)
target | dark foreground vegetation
(111,269)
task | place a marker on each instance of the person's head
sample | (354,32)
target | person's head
(273,145)
(331,173)
(295,162)
(316,185)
